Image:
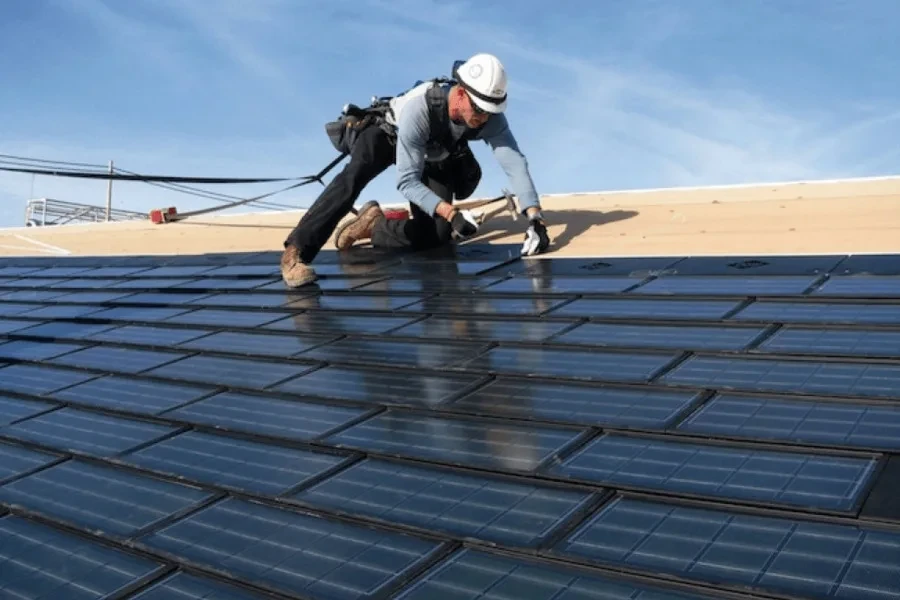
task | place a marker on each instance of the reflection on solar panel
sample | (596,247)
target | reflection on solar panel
(462,424)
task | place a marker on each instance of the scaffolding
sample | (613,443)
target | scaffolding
(45,212)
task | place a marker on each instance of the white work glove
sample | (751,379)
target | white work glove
(464,224)
(536,238)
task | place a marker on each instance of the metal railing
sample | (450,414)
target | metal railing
(45,212)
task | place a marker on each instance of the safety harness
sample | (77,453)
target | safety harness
(344,131)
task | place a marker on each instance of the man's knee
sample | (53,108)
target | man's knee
(466,174)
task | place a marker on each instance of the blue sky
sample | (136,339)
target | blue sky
(604,94)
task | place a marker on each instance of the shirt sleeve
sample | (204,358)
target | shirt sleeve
(498,135)
(412,137)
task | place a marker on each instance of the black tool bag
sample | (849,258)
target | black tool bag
(344,131)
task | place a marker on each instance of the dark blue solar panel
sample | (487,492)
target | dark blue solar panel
(183,586)
(870,286)
(149,283)
(101,498)
(139,314)
(702,337)
(575,364)
(37,380)
(323,283)
(760,285)
(113,272)
(578,403)
(61,329)
(482,305)
(474,575)
(163,298)
(8,309)
(772,375)
(856,342)
(91,433)
(229,318)
(820,312)
(133,395)
(58,272)
(92,297)
(8,325)
(397,353)
(593,266)
(770,553)
(233,371)
(222,283)
(267,344)
(13,409)
(28,350)
(831,423)
(635,308)
(10,271)
(739,473)
(425,285)
(268,416)
(124,360)
(232,462)
(62,311)
(16,461)
(176,271)
(246,300)
(522,329)
(154,336)
(294,553)
(491,443)
(768,265)
(355,301)
(28,295)
(42,563)
(36,282)
(339,324)
(86,283)
(379,386)
(243,271)
(512,512)
(522,284)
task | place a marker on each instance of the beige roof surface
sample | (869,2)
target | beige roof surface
(849,216)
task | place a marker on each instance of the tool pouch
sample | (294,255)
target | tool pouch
(344,131)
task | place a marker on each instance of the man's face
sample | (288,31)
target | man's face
(472,114)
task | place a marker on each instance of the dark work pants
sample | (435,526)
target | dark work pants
(374,152)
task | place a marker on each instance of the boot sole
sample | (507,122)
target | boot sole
(362,214)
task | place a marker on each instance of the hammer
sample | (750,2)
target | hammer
(507,204)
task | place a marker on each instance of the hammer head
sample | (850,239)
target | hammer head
(506,204)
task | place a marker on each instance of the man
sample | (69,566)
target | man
(425,131)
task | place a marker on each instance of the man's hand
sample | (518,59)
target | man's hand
(536,239)
(463,224)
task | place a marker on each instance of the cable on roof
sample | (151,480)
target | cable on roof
(304,181)
(201,193)
(124,175)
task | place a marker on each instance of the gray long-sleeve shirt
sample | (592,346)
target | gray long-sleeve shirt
(412,135)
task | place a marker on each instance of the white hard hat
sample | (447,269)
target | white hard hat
(484,78)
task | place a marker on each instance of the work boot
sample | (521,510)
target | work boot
(294,271)
(360,227)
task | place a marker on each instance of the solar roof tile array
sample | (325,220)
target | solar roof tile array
(455,424)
